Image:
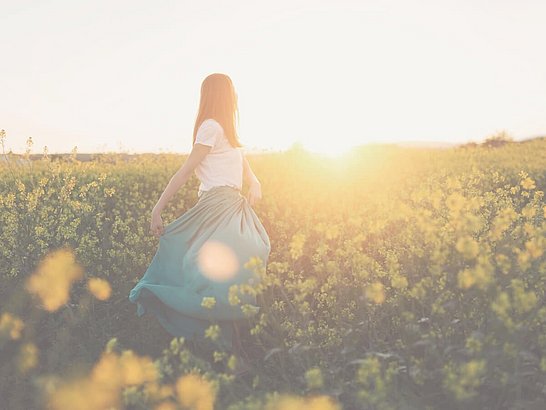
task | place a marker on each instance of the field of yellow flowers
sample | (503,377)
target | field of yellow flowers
(399,278)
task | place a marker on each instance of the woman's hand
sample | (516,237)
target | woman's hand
(254,192)
(156,225)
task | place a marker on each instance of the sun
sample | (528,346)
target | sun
(328,149)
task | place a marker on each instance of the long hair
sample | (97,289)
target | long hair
(219,102)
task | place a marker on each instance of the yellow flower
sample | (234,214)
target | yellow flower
(213,332)
(249,310)
(528,211)
(293,402)
(136,369)
(313,378)
(11,325)
(102,388)
(523,258)
(504,262)
(256,265)
(468,247)
(375,292)
(83,394)
(166,405)
(463,380)
(286,402)
(100,288)
(20,186)
(455,201)
(233,298)
(321,403)
(528,183)
(296,245)
(232,362)
(480,275)
(109,191)
(399,282)
(195,392)
(473,344)
(28,357)
(158,392)
(208,302)
(523,301)
(53,278)
(107,371)
(465,279)
(535,247)
(127,369)
(501,306)
(219,356)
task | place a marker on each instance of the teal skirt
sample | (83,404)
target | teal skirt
(201,254)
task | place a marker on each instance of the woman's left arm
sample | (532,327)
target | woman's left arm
(255,189)
(198,152)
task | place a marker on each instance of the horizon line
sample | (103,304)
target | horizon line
(297,145)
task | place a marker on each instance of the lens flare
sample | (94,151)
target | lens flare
(217,261)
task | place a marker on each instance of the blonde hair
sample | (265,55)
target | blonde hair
(219,102)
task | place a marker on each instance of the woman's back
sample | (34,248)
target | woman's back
(223,165)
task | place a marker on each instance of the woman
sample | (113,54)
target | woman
(203,252)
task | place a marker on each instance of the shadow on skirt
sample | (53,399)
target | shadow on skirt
(201,254)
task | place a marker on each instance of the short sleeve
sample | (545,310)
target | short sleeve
(208,132)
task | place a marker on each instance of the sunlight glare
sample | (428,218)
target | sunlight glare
(217,261)
(331,149)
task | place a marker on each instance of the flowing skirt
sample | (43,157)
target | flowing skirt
(201,254)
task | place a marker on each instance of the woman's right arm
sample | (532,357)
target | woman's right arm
(198,152)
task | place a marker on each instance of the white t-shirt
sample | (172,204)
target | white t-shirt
(223,165)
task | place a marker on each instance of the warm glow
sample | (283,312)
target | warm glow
(329,74)
(217,261)
(332,149)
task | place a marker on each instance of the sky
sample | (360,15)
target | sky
(121,75)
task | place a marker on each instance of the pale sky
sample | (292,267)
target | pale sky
(125,75)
